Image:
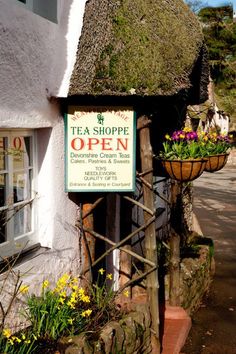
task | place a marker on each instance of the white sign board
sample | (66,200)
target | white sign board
(100,149)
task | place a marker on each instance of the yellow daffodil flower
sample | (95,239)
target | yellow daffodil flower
(167,137)
(85,298)
(24,289)
(71,304)
(126,293)
(86,313)
(101,271)
(45,284)
(6,333)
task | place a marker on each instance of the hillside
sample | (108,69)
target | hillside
(220,35)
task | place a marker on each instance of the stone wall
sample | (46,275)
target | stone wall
(196,273)
(130,335)
(195,278)
(232,158)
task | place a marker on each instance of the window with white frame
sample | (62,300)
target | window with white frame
(44,8)
(16,190)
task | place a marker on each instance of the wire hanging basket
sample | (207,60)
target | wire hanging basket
(184,170)
(216,162)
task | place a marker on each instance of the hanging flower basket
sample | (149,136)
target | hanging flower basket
(184,170)
(216,162)
(186,153)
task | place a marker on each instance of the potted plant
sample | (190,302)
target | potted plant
(187,153)
(217,147)
(182,156)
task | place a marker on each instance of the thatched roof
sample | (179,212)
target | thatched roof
(141,47)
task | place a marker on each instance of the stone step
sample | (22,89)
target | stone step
(177,325)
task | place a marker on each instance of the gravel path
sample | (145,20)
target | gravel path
(214,324)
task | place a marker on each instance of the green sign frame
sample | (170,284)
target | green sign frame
(100,149)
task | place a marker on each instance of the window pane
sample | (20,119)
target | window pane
(47,9)
(27,149)
(2,155)
(3,218)
(2,190)
(16,171)
(21,152)
(22,220)
(21,186)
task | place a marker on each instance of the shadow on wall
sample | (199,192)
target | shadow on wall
(43,137)
(61,56)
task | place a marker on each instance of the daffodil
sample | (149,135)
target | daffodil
(101,271)
(16,339)
(167,137)
(11,341)
(86,313)
(85,298)
(126,293)
(45,284)
(70,321)
(71,304)
(81,291)
(24,289)
(6,333)
(63,293)
(61,300)
(62,282)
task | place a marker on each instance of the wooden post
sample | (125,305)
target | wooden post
(174,269)
(176,226)
(125,258)
(146,156)
(113,233)
(88,241)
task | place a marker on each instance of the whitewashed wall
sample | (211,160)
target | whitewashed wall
(36,61)
(219,120)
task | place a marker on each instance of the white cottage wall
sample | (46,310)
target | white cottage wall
(36,61)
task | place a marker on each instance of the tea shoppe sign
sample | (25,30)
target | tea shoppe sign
(100,149)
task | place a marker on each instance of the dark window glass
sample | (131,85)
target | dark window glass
(3,219)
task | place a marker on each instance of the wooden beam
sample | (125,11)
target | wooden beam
(174,268)
(146,156)
(88,242)
(113,230)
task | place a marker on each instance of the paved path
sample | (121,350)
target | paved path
(214,325)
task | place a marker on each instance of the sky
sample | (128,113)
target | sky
(221,2)
(215,3)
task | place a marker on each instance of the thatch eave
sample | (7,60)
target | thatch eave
(140,48)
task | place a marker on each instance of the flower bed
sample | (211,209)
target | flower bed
(65,310)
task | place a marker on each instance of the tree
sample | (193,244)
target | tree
(220,35)
(196,5)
